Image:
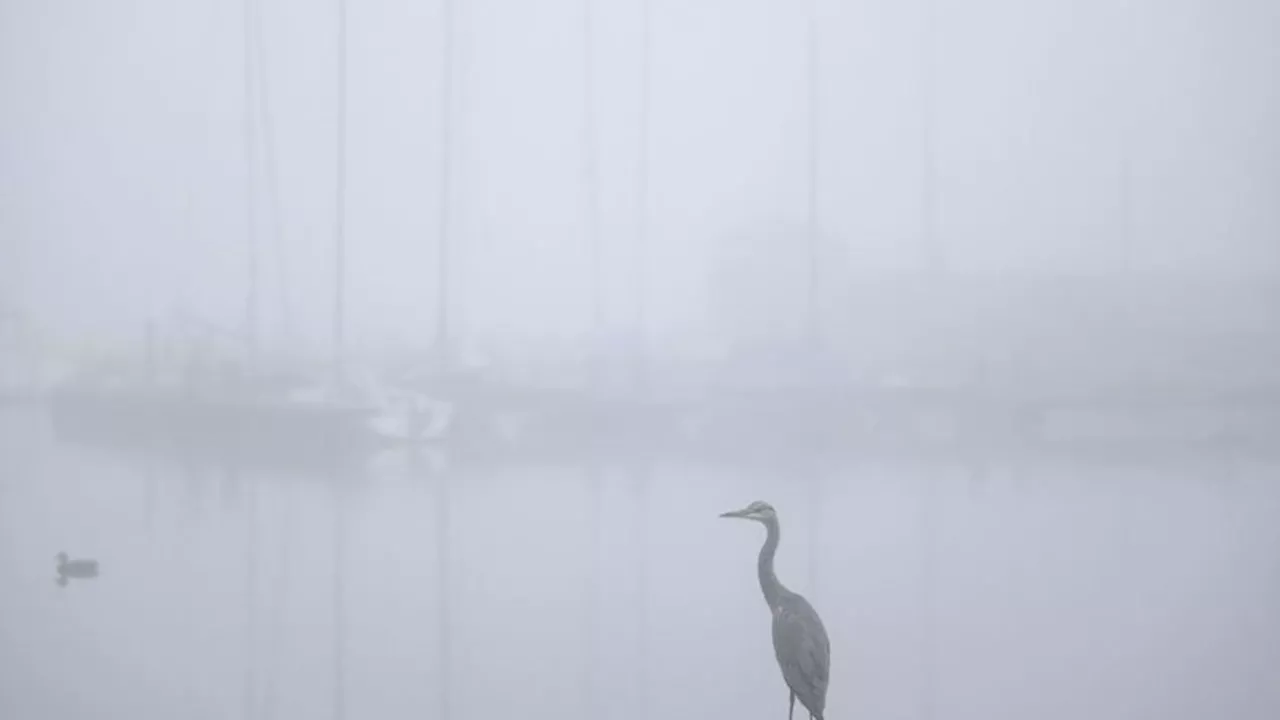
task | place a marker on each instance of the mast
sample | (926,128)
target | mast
(443,341)
(935,260)
(1124,191)
(339,309)
(1124,197)
(813,325)
(446,145)
(251,299)
(931,249)
(642,202)
(340,202)
(262,75)
(812,321)
(589,169)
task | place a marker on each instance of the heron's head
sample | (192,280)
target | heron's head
(61,558)
(760,511)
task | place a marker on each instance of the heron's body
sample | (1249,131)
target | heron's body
(799,638)
(803,651)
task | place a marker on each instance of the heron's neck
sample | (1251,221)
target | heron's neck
(769,584)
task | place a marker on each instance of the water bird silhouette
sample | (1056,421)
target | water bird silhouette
(80,569)
(799,638)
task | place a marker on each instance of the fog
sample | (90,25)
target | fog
(397,359)
(123,146)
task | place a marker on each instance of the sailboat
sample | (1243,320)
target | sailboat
(238,410)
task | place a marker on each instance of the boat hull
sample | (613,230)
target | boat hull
(215,428)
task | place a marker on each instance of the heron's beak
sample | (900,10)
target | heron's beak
(735,514)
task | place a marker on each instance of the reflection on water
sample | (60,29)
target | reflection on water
(1006,590)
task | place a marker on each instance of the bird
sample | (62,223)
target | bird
(79,569)
(799,639)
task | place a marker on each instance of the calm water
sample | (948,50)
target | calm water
(989,591)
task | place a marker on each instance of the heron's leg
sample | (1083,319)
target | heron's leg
(792,709)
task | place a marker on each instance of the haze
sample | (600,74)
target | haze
(396,359)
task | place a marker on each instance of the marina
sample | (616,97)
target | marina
(576,360)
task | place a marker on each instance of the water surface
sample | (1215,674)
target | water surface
(987,591)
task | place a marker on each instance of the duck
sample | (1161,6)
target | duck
(79,568)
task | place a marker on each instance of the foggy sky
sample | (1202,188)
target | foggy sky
(122,165)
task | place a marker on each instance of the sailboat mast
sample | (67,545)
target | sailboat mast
(267,155)
(642,201)
(446,146)
(251,245)
(811,205)
(935,258)
(1124,194)
(589,166)
(340,201)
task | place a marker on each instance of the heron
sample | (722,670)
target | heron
(799,639)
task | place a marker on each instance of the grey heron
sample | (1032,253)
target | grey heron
(799,639)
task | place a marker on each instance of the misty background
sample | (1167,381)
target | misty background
(1079,139)
(988,200)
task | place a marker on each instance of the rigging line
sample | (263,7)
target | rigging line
(270,168)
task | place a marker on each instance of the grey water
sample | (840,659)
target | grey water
(992,590)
